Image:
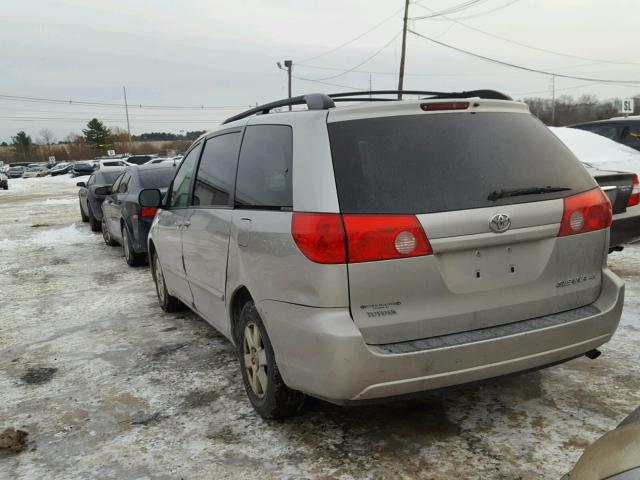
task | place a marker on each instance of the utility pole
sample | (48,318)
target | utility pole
(126,109)
(553,101)
(404,48)
(289,67)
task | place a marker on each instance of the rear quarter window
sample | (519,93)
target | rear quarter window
(265,167)
(441,162)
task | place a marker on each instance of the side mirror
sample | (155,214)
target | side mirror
(81,184)
(103,190)
(150,197)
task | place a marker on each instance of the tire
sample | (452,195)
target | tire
(95,225)
(106,234)
(83,215)
(167,302)
(133,259)
(258,367)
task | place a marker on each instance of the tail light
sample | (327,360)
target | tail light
(634,199)
(585,212)
(332,238)
(148,212)
(320,236)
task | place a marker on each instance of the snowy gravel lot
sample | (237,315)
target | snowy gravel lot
(108,386)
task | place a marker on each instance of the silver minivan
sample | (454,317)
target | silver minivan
(384,248)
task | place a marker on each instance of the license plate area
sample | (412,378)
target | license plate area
(494,267)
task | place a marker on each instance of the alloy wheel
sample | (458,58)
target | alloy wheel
(157,270)
(125,244)
(255,360)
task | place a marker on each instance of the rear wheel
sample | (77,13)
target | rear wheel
(167,302)
(83,215)
(93,221)
(133,259)
(106,234)
(265,388)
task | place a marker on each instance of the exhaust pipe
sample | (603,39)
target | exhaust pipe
(593,354)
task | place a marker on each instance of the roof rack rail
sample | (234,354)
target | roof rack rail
(321,101)
(314,101)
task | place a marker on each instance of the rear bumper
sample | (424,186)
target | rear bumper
(625,227)
(321,352)
(141,229)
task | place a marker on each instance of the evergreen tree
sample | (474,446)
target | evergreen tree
(97,134)
(22,144)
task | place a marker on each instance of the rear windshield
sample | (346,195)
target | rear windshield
(157,177)
(107,178)
(453,161)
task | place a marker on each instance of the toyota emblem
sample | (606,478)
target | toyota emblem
(500,223)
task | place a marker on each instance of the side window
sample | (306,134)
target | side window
(124,183)
(217,171)
(92,180)
(116,184)
(264,167)
(182,181)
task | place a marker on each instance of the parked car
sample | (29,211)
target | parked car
(622,188)
(4,181)
(80,169)
(35,170)
(16,172)
(124,221)
(386,248)
(139,159)
(61,169)
(176,160)
(614,456)
(102,164)
(625,130)
(90,201)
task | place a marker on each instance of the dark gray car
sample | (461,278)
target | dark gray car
(124,221)
(90,201)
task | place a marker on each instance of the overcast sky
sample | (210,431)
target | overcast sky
(224,54)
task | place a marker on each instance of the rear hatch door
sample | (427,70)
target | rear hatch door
(456,172)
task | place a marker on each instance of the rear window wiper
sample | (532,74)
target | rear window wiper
(515,192)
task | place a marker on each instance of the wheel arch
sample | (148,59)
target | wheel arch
(238,299)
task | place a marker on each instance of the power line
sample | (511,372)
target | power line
(79,102)
(493,35)
(353,39)
(520,67)
(447,11)
(327,83)
(368,59)
(480,14)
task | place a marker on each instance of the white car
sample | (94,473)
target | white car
(107,165)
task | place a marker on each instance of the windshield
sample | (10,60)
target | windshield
(441,162)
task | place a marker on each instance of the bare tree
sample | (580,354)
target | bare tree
(46,137)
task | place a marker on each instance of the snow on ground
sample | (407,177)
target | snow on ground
(60,201)
(599,151)
(109,386)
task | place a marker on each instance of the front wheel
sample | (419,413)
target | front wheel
(106,234)
(133,259)
(265,388)
(167,302)
(83,215)
(93,221)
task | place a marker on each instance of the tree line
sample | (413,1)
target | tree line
(96,140)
